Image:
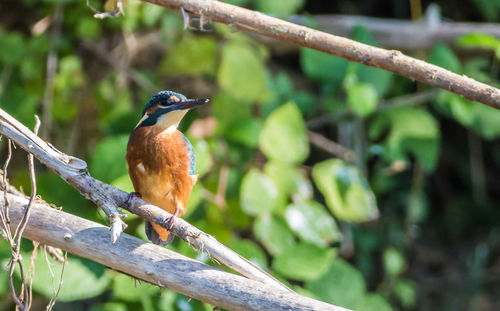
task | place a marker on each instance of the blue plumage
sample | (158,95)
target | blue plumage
(189,148)
(161,98)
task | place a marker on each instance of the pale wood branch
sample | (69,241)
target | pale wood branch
(74,171)
(390,60)
(152,263)
(392,33)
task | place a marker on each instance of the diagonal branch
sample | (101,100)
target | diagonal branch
(74,171)
(154,264)
(390,60)
(69,168)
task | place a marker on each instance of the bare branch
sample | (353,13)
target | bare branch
(69,168)
(393,60)
(154,264)
(390,33)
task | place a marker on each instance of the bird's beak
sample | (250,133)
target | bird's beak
(188,104)
(144,117)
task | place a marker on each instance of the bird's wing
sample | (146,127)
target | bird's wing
(189,148)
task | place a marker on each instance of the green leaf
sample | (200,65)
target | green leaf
(323,67)
(279,7)
(347,193)
(411,130)
(238,2)
(406,292)
(284,135)
(250,251)
(151,13)
(258,193)
(394,262)
(442,56)
(88,28)
(21,104)
(124,183)
(242,72)
(69,74)
(479,40)
(191,56)
(341,285)
(481,118)
(65,195)
(312,223)
(109,306)
(290,180)
(128,289)
(489,8)
(273,234)
(373,302)
(304,262)
(246,132)
(362,98)
(13,48)
(229,110)
(203,157)
(194,199)
(108,161)
(167,300)
(82,278)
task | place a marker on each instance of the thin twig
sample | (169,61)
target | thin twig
(131,73)
(31,270)
(52,301)
(393,60)
(31,164)
(16,255)
(220,197)
(4,212)
(399,101)
(330,146)
(48,95)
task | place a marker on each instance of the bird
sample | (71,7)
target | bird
(160,159)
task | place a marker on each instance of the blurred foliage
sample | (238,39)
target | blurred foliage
(367,235)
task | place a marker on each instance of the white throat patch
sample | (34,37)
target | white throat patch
(170,121)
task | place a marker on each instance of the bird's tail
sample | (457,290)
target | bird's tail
(158,235)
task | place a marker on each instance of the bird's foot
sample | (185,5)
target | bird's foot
(131,196)
(169,224)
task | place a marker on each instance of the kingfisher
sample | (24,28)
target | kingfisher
(160,159)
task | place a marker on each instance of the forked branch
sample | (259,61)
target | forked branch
(109,198)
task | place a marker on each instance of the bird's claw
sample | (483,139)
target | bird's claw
(169,224)
(131,196)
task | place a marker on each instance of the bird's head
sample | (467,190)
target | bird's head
(166,109)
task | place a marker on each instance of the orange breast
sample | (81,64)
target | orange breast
(158,165)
